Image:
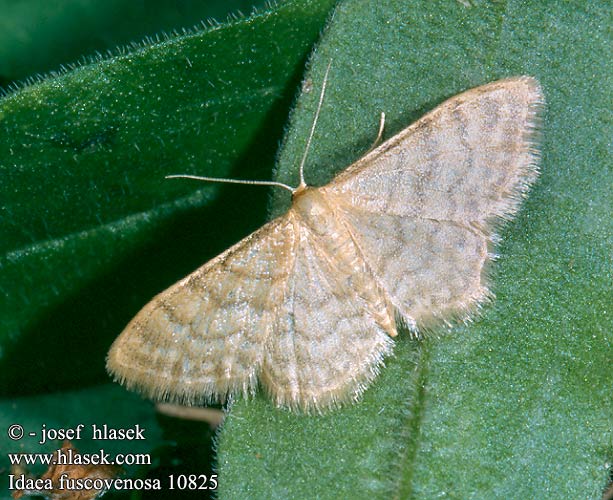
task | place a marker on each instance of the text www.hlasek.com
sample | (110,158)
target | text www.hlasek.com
(68,457)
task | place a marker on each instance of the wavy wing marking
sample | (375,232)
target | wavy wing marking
(204,337)
(469,160)
(431,270)
(329,341)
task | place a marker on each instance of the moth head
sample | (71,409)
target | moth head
(311,205)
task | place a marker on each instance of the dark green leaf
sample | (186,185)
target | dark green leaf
(37,36)
(90,228)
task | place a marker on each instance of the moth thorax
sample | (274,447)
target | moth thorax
(311,205)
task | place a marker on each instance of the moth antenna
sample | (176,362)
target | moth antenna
(231,181)
(379,134)
(302,184)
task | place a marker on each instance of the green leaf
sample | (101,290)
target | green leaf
(37,36)
(90,228)
(517,404)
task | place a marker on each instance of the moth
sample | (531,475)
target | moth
(307,305)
